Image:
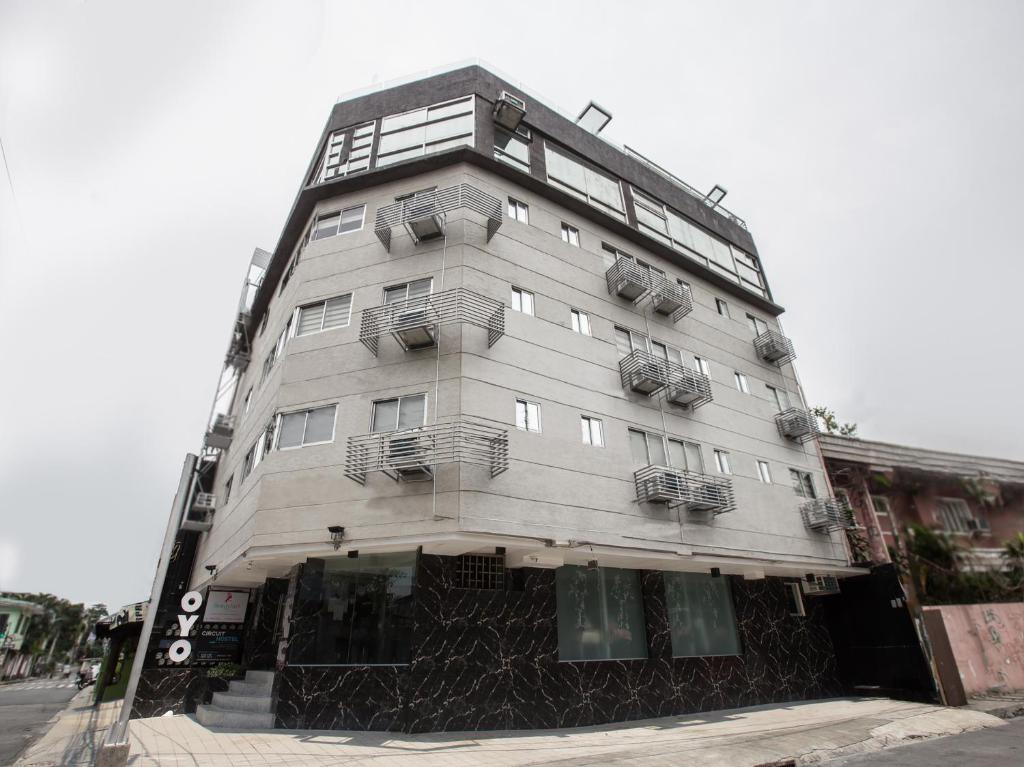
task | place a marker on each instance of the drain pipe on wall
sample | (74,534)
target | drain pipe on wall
(114,751)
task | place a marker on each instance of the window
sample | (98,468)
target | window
(700,615)
(576,178)
(513,148)
(593,431)
(954,514)
(764,472)
(527,415)
(803,483)
(795,599)
(408,291)
(306,427)
(741,383)
(227,488)
(324,315)
(399,413)
(722,462)
(480,571)
(655,450)
(518,211)
(570,234)
(881,504)
(522,300)
(659,221)
(722,306)
(337,162)
(600,614)
(341,222)
(360,610)
(248,402)
(702,366)
(628,341)
(756,325)
(580,322)
(424,131)
(250,461)
(275,353)
(779,397)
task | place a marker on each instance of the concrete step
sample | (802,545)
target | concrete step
(214,716)
(257,703)
(260,677)
(258,689)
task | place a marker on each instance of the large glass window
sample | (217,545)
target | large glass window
(339,161)
(600,614)
(423,131)
(700,615)
(408,291)
(342,222)
(660,221)
(324,315)
(650,449)
(356,611)
(581,180)
(513,148)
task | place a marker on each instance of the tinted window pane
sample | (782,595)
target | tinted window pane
(385,415)
(411,412)
(355,611)
(292,426)
(320,425)
(656,446)
(600,614)
(700,615)
(638,447)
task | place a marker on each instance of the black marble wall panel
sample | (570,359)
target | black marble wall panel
(485,660)
(179,690)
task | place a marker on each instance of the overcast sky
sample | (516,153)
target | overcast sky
(875,150)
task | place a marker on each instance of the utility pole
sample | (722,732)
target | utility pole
(114,751)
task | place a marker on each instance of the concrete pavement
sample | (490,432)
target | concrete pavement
(998,747)
(26,707)
(811,732)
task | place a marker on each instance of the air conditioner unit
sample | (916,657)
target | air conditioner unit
(421,216)
(204,502)
(409,456)
(823,584)
(669,298)
(687,387)
(414,327)
(221,433)
(705,496)
(509,111)
(647,378)
(630,283)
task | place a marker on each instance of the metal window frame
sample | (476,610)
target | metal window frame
(279,419)
(398,413)
(527,403)
(590,431)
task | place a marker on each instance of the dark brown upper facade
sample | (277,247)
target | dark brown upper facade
(547,131)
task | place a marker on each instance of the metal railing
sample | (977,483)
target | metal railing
(449,307)
(691,490)
(648,374)
(772,346)
(222,431)
(437,203)
(413,453)
(683,185)
(824,514)
(629,280)
(797,424)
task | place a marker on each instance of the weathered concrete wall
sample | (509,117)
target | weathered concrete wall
(988,644)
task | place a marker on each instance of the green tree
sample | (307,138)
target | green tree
(832,426)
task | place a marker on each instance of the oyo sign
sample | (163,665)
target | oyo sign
(181,649)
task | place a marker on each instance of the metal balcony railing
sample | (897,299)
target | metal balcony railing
(797,424)
(414,323)
(691,490)
(423,214)
(824,514)
(627,279)
(413,454)
(647,373)
(772,346)
(670,298)
(238,355)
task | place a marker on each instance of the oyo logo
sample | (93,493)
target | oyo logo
(180,649)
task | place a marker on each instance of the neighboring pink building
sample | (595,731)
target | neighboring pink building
(978,500)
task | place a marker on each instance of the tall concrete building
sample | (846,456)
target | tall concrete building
(509,435)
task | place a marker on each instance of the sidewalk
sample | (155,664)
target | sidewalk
(810,732)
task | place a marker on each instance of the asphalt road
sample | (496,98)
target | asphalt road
(993,747)
(25,709)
